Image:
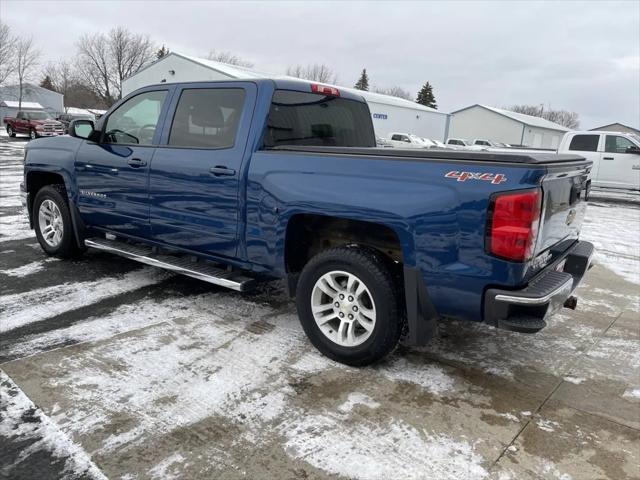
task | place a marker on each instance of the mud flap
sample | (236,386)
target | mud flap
(422,317)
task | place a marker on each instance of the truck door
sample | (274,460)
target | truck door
(586,144)
(619,169)
(196,172)
(112,174)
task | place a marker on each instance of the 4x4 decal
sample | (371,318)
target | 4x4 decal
(495,178)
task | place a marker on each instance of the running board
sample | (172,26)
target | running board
(179,264)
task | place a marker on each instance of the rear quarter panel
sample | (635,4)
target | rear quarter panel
(439,221)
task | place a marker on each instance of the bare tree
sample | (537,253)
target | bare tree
(27,57)
(7,52)
(105,60)
(229,58)
(315,72)
(562,117)
(394,92)
(61,74)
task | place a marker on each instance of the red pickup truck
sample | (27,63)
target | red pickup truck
(34,124)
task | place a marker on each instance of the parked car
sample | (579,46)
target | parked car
(373,243)
(461,144)
(407,140)
(615,156)
(437,143)
(383,142)
(34,124)
(67,118)
(458,142)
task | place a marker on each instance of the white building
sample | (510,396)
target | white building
(390,114)
(39,98)
(490,123)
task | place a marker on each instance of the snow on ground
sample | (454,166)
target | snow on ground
(20,418)
(39,304)
(614,229)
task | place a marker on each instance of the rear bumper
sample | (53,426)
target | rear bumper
(527,310)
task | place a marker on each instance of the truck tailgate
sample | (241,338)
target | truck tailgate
(563,208)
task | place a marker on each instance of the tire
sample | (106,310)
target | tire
(10,131)
(33,134)
(340,265)
(61,245)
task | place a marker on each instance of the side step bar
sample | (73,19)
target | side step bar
(183,265)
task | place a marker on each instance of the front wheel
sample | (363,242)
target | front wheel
(52,222)
(348,307)
(33,134)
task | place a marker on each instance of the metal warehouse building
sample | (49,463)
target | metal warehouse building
(490,123)
(390,114)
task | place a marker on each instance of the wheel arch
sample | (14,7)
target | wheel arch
(35,180)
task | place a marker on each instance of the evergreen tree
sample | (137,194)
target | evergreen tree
(363,82)
(426,97)
(47,83)
(162,52)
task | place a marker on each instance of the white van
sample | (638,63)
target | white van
(615,156)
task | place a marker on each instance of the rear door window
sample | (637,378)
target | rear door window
(584,143)
(207,118)
(301,118)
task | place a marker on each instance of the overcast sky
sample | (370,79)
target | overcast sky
(580,56)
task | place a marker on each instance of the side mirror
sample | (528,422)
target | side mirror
(634,149)
(81,128)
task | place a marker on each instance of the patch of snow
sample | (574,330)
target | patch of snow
(547,425)
(575,380)
(15,227)
(40,433)
(357,398)
(614,229)
(41,303)
(28,269)
(632,393)
(161,470)
(370,451)
(550,469)
(432,378)
(509,416)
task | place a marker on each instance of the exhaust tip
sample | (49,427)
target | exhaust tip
(571,302)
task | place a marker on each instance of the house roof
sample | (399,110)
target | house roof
(529,120)
(25,105)
(617,123)
(235,71)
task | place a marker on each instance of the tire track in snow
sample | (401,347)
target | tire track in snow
(40,304)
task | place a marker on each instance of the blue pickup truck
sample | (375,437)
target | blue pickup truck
(237,182)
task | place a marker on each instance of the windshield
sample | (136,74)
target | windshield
(35,116)
(300,118)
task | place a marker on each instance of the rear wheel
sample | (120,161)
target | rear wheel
(52,222)
(347,305)
(10,131)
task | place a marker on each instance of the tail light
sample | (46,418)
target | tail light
(325,90)
(514,219)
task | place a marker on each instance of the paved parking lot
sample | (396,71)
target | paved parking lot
(111,369)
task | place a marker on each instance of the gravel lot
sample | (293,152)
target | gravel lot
(110,369)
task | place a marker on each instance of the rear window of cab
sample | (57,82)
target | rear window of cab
(311,119)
